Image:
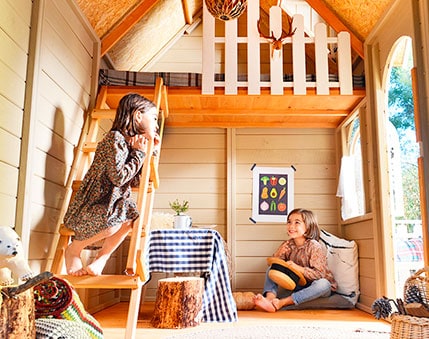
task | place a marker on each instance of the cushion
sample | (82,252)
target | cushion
(335,301)
(342,258)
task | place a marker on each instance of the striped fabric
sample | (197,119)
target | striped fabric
(196,250)
(109,77)
(409,250)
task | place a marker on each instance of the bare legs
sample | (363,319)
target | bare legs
(270,303)
(113,237)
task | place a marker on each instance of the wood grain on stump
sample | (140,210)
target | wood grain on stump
(178,302)
(17,316)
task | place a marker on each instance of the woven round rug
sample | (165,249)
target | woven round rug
(282,332)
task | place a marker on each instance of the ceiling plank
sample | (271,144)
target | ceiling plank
(331,18)
(126,24)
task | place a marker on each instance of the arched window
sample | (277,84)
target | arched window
(350,186)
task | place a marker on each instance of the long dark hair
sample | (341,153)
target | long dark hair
(125,114)
(310,220)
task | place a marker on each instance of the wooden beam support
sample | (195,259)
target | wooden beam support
(187,12)
(110,39)
(189,108)
(333,21)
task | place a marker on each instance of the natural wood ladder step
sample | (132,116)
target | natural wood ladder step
(104,281)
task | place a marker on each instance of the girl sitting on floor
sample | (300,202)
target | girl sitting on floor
(304,254)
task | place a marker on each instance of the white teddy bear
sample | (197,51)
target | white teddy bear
(13,265)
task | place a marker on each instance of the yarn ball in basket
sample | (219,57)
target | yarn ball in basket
(226,9)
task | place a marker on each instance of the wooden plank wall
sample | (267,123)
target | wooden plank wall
(63,90)
(212,169)
(15,17)
(312,152)
(48,81)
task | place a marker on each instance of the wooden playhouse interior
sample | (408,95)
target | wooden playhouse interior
(312,81)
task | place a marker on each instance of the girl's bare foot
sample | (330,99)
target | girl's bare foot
(263,303)
(73,261)
(277,304)
(280,303)
(97,266)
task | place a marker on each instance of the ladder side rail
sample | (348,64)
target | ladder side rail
(138,224)
(142,201)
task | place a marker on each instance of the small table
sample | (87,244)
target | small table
(196,250)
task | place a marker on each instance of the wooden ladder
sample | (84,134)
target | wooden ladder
(135,275)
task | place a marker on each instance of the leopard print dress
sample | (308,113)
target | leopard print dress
(104,197)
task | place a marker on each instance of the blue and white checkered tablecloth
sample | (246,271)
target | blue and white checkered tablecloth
(196,250)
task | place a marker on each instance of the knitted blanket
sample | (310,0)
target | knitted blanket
(57,299)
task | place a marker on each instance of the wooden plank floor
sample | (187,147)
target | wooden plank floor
(113,320)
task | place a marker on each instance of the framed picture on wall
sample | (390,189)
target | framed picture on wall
(273,192)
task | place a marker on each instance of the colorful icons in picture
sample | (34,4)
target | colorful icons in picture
(273,197)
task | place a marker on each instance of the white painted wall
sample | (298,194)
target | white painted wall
(15,17)
(48,81)
(63,90)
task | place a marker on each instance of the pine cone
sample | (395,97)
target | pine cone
(381,308)
(412,295)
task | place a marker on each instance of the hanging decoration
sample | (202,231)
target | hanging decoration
(277,42)
(226,9)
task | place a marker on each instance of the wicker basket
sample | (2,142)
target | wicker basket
(226,9)
(415,325)
(419,281)
(408,327)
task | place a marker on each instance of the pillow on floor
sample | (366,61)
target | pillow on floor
(343,262)
(335,301)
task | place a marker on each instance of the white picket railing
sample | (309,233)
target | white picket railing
(343,80)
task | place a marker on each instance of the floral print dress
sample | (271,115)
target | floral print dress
(104,197)
(311,256)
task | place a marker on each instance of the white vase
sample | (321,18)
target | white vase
(182,221)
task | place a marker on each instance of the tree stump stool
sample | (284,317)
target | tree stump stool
(178,302)
(17,318)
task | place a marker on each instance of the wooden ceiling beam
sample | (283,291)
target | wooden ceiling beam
(110,39)
(187,12)
(189,108)
(331,18)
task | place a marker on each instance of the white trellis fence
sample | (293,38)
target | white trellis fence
(323,80)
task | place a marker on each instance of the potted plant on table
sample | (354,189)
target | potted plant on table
(181,220)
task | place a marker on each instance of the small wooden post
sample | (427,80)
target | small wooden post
(178,302)
(17,317)
(17,308)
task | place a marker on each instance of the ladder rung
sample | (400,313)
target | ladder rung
(66,231)
(76,184)
(89,147)
(104,281)
(100,113)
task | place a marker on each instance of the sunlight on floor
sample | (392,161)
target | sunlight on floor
(113,320)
